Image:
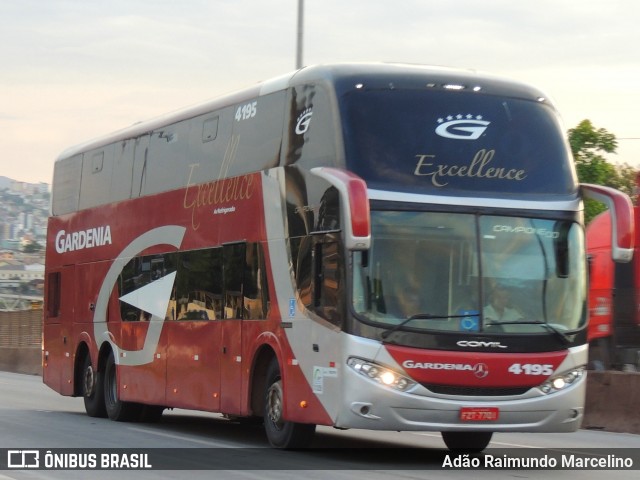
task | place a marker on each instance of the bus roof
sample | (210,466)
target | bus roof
(370,75)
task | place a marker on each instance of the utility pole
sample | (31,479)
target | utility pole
(300,34)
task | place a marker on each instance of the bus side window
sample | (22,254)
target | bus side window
(328,286)
(53,294)
(311,132)
(199,285)
(303,268)
(137,274)
(234,262)
(255,291)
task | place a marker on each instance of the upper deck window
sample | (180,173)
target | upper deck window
(451,143)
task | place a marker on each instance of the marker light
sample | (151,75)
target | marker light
(380,374)
(560,382)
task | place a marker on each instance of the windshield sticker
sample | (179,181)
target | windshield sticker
(519,230)
(318,380)
(462,127)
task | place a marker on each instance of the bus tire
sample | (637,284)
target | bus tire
(116,409)
(282,433)
(468,442)
(93,389)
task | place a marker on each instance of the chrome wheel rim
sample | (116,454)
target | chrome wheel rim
(274,404)
(89,381)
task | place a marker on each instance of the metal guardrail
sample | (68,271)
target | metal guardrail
(11,302)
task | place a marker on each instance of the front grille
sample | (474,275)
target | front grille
(476,391)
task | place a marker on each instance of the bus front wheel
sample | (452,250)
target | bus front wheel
(117,409)
(468,442)
(280,432)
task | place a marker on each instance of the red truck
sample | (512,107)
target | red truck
(614,299)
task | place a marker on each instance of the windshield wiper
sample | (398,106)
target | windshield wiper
(561,336)
(418,316)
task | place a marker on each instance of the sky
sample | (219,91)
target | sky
(73,70)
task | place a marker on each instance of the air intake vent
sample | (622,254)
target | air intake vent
(476,391)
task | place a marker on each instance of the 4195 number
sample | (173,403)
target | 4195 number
(531,369)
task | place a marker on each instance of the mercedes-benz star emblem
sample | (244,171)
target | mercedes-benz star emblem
(480,370)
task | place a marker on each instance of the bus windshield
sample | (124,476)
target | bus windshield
(455,143)
(471,273)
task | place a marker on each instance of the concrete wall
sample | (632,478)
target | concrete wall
(21,341)
(26,360)
(613,400)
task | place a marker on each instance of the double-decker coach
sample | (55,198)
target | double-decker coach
(374,246)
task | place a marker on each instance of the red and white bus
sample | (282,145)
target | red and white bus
(381,247)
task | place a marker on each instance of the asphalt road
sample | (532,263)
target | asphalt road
(33,417)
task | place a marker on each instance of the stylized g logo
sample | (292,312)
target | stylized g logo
(462,129)
(304,120)
(167,235)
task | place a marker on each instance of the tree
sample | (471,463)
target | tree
(32,247)
(588,145)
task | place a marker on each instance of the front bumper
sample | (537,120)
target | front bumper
(370,405)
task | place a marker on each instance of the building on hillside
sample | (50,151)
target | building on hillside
(7,255)
(13,275)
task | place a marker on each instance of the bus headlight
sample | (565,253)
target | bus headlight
(560,382)
(381,374)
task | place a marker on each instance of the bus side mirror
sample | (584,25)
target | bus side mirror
(622,219)
(354,201)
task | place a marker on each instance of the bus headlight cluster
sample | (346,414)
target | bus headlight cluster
(560,382)
(381,374)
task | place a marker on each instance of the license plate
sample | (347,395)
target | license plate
(479,414)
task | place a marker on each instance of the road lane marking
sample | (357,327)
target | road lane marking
(187,439)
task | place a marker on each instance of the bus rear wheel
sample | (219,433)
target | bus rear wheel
(93,389)
(468,442)
(282,433)
(117,409)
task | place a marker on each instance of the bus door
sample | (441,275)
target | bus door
(136,318)
(58,323)
(231,342)
(194,330)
